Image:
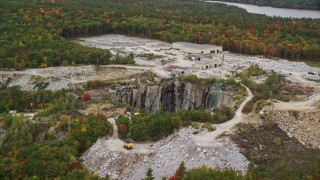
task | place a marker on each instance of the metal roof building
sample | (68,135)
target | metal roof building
(192,48)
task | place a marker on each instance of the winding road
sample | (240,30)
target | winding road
(210,138)
(308,103)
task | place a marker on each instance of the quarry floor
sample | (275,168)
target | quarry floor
(165,155)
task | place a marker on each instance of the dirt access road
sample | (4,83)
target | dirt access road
(300,119)
(307,104)
(116,144)
(210,138)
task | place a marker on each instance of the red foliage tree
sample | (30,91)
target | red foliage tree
(178,172)
(86,97)
(122,128)
(174,177)
(75,165)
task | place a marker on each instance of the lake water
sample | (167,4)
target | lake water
(271,11)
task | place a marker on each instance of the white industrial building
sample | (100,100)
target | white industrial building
(192,48)
(206,63)
(198,57)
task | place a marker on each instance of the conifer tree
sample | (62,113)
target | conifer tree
(149,175)
(182,169)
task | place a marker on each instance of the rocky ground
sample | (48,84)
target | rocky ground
(108,157)
(163,157)
(299,117)
(58,78)
(302,125)
(106,73)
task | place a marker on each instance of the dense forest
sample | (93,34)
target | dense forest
(47,146)
(34,33)
(295,4)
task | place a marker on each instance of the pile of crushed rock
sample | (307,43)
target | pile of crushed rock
(268,64)
(164,157)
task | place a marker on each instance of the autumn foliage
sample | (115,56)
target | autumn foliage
(123,128)
(75,165)
(86,97)
(177,20)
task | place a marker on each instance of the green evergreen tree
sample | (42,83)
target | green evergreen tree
(149,175)
(182,169)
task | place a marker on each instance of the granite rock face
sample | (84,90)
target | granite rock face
(171,95)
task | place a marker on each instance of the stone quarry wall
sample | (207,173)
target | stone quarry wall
(172,95)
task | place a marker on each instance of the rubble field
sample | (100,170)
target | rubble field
(163,157)
(66,77)
(302,125)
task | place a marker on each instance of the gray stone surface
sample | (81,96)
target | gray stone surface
(172,95)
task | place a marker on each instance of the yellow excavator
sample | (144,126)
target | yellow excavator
(128,145)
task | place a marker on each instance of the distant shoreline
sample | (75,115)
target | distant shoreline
(274,11)
(316,7)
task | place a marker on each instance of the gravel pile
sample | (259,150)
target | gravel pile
(284,65)
(235,60)
(164,158)
(102,161)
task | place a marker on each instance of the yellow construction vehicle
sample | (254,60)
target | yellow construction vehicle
(128,145)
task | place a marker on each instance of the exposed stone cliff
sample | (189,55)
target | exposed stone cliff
(172,95)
